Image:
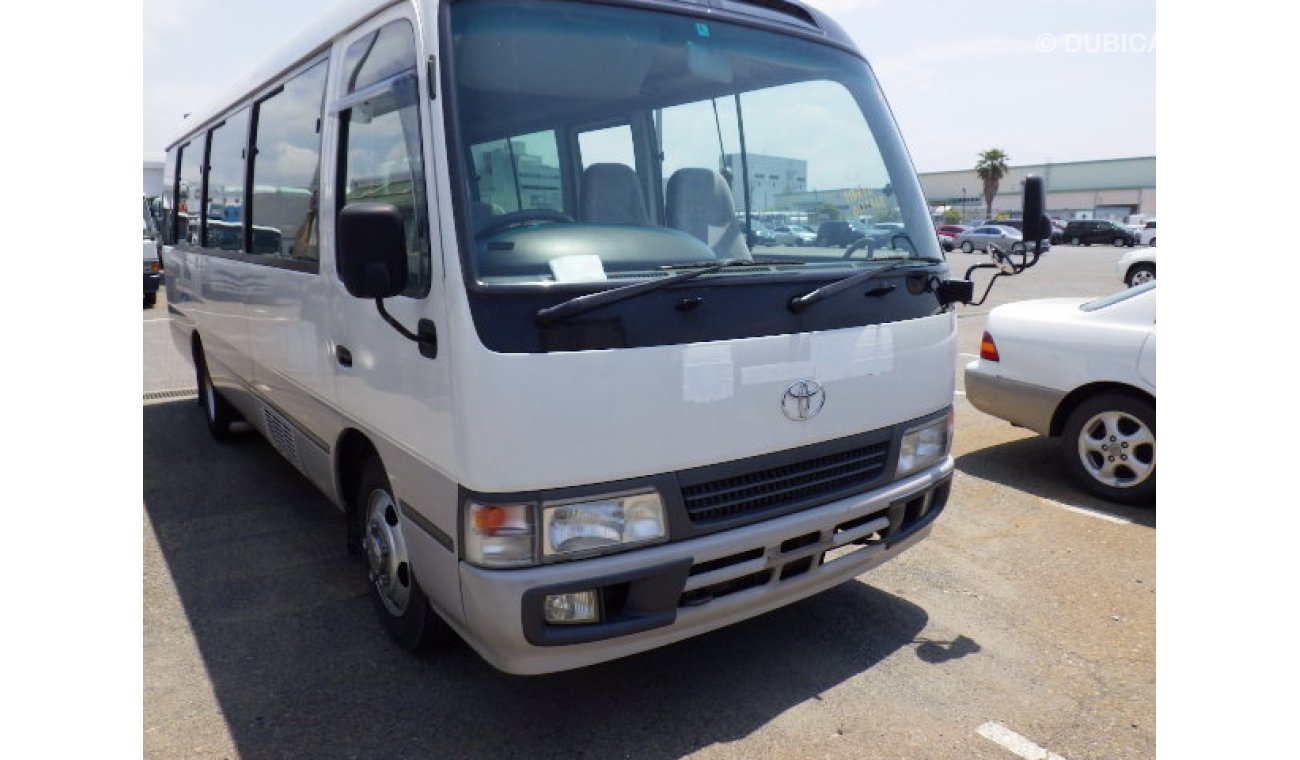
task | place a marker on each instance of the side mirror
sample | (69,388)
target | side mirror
(371,250)
(955,291)
(1036,224)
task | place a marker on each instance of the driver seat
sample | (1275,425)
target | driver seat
(611,194)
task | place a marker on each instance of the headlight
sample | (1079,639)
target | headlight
(499,535)
(587,527)
(925,445)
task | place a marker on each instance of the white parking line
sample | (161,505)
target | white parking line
(1008,739)
(1088,512)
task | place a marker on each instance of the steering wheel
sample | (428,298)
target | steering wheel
(522,216)
(859,244)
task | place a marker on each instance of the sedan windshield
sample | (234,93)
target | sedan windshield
(600,143)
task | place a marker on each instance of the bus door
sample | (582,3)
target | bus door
(379,112)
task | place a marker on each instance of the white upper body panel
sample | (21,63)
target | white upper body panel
(531,421)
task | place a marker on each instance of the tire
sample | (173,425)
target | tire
(1119,242)
(396,594)
(217,412)
(1093,430)
(1140,274)
(150,299)
(1152,243)
(967,246)
(1075,241)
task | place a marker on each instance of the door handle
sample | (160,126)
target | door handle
(343,355)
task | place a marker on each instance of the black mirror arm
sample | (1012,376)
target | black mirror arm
(427,338)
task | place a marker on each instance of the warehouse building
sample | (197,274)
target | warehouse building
(1106,189)
(1112,189)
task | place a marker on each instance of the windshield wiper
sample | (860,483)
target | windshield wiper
(799,304)
(574,306)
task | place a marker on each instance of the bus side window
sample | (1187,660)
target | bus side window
(286,168)
(189,191)
(166,219)
(224,210)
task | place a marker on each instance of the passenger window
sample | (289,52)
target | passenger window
(189,192)
(384,160)
(518,173)
(225,199)
(612,145)
(286,169)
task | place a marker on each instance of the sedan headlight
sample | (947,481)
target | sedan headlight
(925,445)
(593,527)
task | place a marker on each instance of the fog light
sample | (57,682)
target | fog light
(567,609)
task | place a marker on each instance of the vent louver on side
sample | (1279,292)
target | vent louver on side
(281,436)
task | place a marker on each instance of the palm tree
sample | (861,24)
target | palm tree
(991,168)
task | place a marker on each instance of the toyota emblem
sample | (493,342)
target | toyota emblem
(803,400)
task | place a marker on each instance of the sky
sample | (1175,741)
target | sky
(1044,81)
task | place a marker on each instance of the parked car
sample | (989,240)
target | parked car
(1089,231)
(1006,238)
(1058,232)
(1148,234)
(1082,371)
(761,236)
(1019,226)
(152,262)
(882,234)
(839,233)
(1137,267)
(951,229)
(794,234)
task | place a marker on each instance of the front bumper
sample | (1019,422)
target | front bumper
(663,594)
(1023,404)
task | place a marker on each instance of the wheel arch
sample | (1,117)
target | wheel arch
(352,450)
(1085,392)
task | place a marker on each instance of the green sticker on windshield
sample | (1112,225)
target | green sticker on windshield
(702,30)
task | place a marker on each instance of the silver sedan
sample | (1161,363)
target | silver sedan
(1006,239)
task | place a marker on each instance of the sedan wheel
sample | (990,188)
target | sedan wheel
(1075,241)
(1140,275)
(1110,448)
(1118,242)
(967,246)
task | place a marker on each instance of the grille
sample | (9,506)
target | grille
(784,485)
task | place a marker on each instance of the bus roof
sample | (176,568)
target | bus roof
(343,15)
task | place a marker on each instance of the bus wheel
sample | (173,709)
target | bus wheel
(397,596)
(217,412)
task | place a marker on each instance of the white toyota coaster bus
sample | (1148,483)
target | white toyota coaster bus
(484,271)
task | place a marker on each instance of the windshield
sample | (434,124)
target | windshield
(1118,297)
(601,143)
